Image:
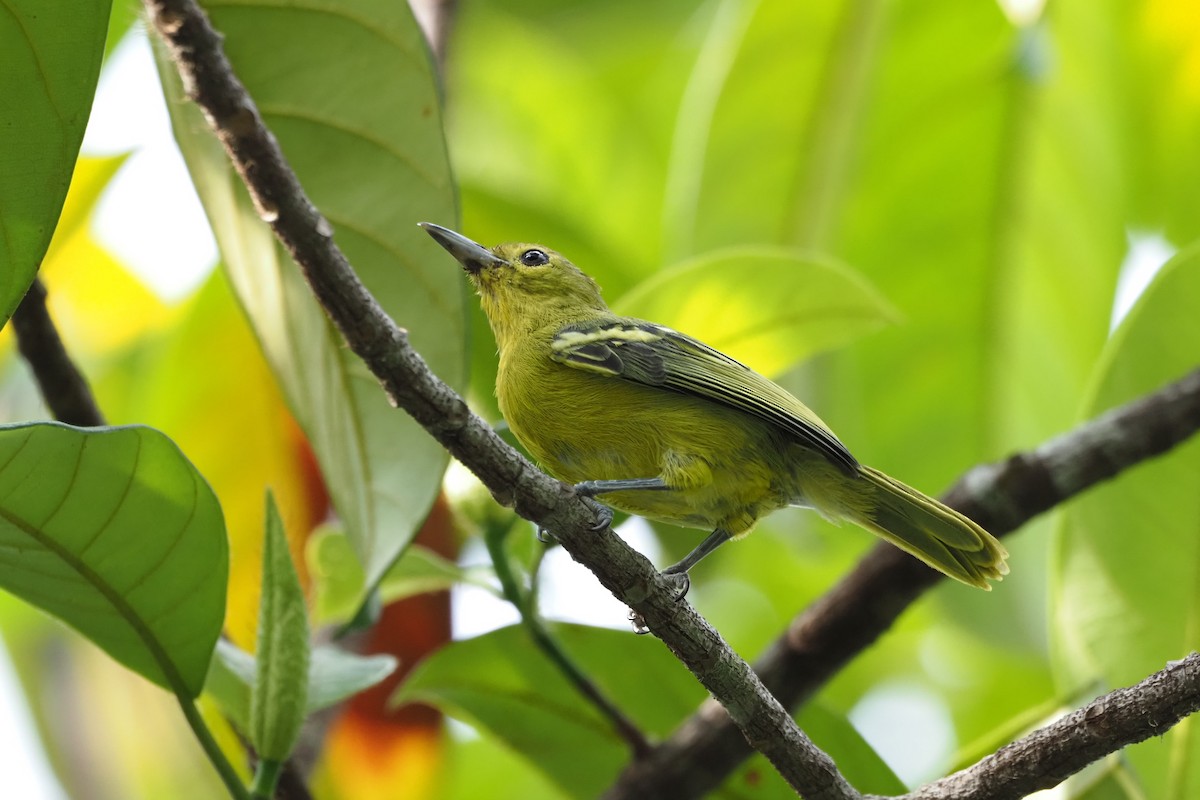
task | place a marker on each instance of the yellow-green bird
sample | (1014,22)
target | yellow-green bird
(658,424)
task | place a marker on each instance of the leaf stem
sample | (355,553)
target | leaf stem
(213,750)
(265,779)
(524,601)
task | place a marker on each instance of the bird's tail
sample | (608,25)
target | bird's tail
(934,533)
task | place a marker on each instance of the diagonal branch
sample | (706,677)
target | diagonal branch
(1050,755)
(854,613)
(209,80)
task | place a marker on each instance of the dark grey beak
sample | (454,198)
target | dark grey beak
(474,257)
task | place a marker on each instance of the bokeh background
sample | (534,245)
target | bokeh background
(944,226)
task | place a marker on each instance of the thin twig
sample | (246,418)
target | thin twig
(209,80)
(1001,497)
(525,603)
(1050,755)
(62,385)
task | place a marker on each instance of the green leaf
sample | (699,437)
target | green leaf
(769,308)
(482,763)
(370,153)
(52,62)
(278,703)
(333,676)
(113,531)
(336,675)
(502,683)
(1125,593)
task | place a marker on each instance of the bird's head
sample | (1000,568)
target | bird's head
(522,285)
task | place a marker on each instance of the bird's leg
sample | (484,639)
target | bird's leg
(678,573)
(593,488)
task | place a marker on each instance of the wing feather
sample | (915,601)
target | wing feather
(658,356)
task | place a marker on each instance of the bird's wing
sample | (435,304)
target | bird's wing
(658,356)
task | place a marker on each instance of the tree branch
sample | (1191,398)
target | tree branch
(63,387)
(209,80)
(1050,755)
(854,613)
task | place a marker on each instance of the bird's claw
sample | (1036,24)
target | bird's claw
(681,583)
(605,515)
(679,580)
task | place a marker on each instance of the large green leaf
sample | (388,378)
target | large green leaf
(503,683)
(482,763)
(113,531)
(52,54)
(766,307)
(347,88)
(1126,598)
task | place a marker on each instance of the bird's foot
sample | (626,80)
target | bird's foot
(679,580)
(604,517)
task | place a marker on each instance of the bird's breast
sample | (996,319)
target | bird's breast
(580,426)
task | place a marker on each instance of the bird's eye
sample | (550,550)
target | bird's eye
(534,258)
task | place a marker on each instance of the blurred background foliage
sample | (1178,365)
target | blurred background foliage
(928,220)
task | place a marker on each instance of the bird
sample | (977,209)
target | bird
(653,422)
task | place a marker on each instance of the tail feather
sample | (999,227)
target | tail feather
(934,533)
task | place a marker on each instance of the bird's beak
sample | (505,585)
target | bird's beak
(474,257)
